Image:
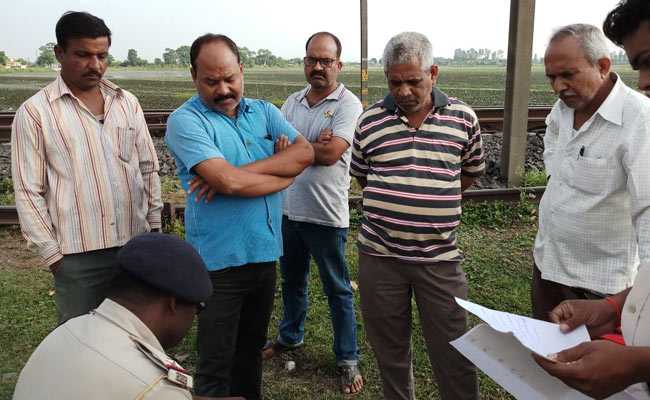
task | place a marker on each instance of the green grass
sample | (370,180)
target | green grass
(6,192)
(497,239)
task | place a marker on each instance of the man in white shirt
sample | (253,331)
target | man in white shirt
(593,223)
(600,368)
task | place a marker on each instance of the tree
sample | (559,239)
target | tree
(170,57)
(132,58)
(157,61)
(247,57)
(3,58)
(183,54)
(110,59)
(263,56)
(46,57)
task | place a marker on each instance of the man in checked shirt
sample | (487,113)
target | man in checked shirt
(593,218)
(84,168)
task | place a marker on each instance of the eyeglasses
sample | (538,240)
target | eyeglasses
(324,62)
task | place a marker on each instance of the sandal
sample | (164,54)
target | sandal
(349,374)
(274,347)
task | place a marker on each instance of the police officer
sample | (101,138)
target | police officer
(117,351)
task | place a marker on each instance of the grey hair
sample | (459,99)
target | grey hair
(592,40)
(407,47)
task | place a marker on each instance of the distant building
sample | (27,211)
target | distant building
(12,63)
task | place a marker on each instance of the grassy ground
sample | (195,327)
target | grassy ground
(168,88)
(496,238)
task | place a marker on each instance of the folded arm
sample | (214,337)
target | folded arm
(224,178)
(328,149)
(288,163)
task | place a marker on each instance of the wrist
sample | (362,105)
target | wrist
(639,363)
(615,308)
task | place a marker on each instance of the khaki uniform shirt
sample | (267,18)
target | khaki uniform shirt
(107,354)
(635,321)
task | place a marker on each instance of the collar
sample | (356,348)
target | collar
(335,95)
(126,320)
(612,107)
(438,98)
(59,88)
(243,106)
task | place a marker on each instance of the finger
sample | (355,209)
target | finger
(574,354)
(564,314)
(563,371)
(192,185)
(210,195)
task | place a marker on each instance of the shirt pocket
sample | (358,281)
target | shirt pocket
(126,138)
(588,175)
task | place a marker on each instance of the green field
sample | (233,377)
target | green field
(168,88)
(496,238)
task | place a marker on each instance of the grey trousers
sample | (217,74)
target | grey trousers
(82,280)
(386,286)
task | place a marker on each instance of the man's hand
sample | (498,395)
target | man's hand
(599,316)
(204,190)
(598,369)
(325,136)
(282,143)
(55,266)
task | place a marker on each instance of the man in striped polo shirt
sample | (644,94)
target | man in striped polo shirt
(414,153)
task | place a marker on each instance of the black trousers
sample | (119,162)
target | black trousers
(232,331)
(546,295)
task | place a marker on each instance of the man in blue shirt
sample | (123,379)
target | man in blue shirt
(242,152)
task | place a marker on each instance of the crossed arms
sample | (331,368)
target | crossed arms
(258,178)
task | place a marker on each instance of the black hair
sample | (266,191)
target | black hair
(210,38)
(625,19)
(80,24)
(333,36)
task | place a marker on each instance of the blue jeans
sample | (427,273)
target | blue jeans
(326,244)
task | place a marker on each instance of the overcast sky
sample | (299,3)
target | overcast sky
(282,26)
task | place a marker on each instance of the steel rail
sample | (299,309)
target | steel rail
(9,215)
(490,118)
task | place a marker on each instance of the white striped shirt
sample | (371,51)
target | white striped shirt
(81,185)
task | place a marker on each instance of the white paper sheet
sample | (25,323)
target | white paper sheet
(504,359)
(502,350)
(541,337)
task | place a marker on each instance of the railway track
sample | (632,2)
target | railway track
(9,215)
(490,118)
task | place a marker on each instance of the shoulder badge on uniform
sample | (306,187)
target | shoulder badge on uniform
(175,373)
(328,114)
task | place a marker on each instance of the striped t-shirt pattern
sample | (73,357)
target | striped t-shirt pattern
(412,201)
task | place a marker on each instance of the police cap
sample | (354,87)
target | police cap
(168,264)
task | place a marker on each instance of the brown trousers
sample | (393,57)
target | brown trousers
(546,295)
(386,287)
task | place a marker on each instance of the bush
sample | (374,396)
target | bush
(7,197)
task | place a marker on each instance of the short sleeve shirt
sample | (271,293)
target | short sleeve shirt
(319,195)
(412,200)
(229,231)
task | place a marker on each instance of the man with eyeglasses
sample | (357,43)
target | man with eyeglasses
(315,210)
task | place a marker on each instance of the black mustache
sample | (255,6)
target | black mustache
(95,74)
(313,74)
(222,98)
